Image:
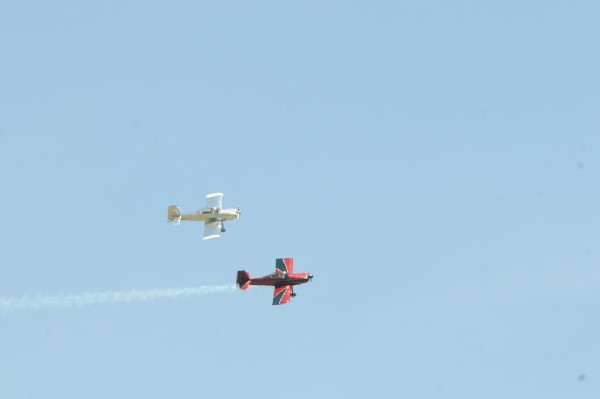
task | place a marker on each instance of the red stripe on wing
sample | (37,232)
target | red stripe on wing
(282,294)
(285,265)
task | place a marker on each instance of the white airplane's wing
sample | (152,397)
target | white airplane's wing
(212,230)
(214,200)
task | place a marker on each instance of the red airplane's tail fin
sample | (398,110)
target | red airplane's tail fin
(243,279)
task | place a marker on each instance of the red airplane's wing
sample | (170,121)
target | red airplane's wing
(285,265)
(282,294)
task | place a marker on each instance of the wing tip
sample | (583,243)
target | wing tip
(211,236)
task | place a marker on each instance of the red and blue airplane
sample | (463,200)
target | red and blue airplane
(283,280)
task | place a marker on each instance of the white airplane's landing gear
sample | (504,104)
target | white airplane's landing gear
(223,228)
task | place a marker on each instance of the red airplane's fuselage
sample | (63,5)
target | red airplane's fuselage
(281,279)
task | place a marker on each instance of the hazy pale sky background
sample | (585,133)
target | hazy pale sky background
(434,164)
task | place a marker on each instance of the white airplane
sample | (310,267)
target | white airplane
(213,215)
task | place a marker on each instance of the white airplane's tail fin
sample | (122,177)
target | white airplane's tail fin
(174,214)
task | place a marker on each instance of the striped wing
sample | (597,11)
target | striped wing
(282,294)
(285,265)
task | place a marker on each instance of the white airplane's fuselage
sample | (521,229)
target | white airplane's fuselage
(211,215)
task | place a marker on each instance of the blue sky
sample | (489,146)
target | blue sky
(434,165)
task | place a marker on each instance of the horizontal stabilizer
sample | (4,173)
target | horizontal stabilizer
(243,279)
(174,214)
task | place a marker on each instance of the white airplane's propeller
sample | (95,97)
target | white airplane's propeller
(239,212)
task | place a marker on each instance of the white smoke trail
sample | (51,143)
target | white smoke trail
(8,304)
